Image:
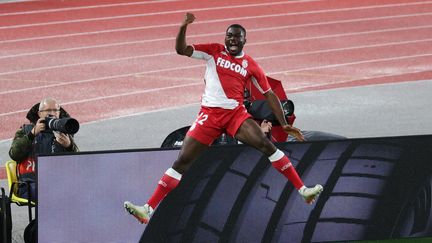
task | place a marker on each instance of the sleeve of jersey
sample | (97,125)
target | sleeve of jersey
(203,51)
(259,79)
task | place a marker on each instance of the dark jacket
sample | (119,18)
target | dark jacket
(25,145)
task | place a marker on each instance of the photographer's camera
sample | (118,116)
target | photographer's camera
(64,125)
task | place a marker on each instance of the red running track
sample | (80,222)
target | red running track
(105,59)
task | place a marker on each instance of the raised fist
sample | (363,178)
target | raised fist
(189,18)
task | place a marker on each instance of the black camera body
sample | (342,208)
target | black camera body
(65,125)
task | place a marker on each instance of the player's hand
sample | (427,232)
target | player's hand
(293,131)
(63,139)
(39,126)
(266,126)
(189,19)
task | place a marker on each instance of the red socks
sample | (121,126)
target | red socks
(167,183)
(171,178)
(281,163)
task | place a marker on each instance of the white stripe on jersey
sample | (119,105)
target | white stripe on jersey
(200,55)
(214,95)
(256,84)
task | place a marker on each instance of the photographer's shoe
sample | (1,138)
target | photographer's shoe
(141,213)
(310,194)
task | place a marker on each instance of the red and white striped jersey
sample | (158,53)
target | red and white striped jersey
(226,76)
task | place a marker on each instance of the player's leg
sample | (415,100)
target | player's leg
(190,150)
(250,133)
(201,134)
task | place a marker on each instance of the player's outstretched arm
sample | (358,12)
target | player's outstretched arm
(181,47)
(276,107)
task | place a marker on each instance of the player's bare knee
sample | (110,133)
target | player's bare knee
(266,147)
(181,166)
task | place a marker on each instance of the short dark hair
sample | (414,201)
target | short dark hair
(238,27)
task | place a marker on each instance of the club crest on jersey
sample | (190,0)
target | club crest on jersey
(245,63)
(232,66)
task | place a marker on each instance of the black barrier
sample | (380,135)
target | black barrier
(375,189)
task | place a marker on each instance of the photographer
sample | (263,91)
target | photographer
(37,138)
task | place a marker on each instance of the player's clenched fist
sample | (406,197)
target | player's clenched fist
(189,18)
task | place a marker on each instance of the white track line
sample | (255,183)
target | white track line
(343,35)
(204,22)
(209,34)
(16,1)
(354,63)
(349,81)
(85,7)
(86,63)
(201,83)
(345,49)
(201,65)
(253,44)
(218,8)
(153,14)
(103,78)
(115,96)
(107,6)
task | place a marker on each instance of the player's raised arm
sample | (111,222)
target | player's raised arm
(181,47)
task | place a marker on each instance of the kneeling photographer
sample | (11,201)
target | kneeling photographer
(50,131)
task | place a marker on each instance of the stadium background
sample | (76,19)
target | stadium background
(355,68)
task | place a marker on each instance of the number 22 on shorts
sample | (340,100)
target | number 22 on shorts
(200,120)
